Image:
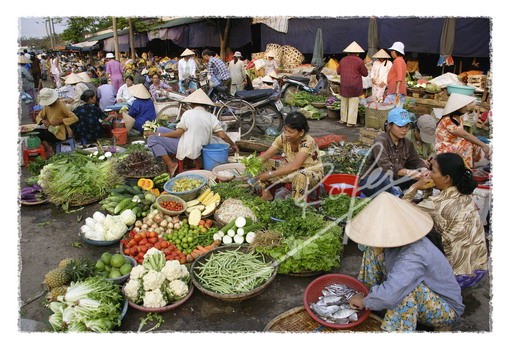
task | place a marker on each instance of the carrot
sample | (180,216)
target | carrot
(195,254)
(202,249)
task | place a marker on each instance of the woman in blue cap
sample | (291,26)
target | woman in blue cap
(393,163)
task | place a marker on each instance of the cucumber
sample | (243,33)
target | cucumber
(122,205)
(137,211)
(252,228)
(134,190)
(229,226)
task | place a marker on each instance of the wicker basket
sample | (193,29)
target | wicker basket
(298,320)
(375,116)
(291,58)
(257,55)
(277,50)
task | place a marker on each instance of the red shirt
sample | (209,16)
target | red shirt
(397,73)
(351,70)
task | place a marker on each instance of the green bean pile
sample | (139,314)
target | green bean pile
(232,272)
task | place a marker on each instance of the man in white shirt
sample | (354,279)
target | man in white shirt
(186,69)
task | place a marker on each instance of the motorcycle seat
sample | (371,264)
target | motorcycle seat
(254,95)
(303,80)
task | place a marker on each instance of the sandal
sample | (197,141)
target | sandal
(350,125)
(341,122)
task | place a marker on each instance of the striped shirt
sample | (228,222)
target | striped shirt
(218,69)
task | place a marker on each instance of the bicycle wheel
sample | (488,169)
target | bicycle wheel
(268,116)
(172,112)
(237,114)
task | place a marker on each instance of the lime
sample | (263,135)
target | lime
(114,273)
(117,260)
(189,239)
(107,268)
(125,269)
(106,257)
(99,265)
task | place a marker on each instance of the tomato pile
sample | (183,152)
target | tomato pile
(172,205)
(137,244)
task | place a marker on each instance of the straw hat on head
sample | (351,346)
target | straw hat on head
(381,54)
(187,52)
(85,77)
(47,96)
(398,46)
(271,53)
(387,222)
(139,91)
(353,48)
(457,101)
(73,78)
(267,79)
(199,97)
(23,60)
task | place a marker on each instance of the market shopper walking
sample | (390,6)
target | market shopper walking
(114,71)
(219,73)
(406,274)
(26,80)
(351,70)
(36,71)
(379,71)
(237,73)
(396,78)
(186,69)
(56,69)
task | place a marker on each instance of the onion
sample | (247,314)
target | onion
(170,225)
(136,229)
(163,223)
(155,212)
(151,216)
(150,222)
(154,226)
(138,223)
(176,226)
(169,231)
(144,227)
(158,218)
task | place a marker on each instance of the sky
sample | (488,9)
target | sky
(34,27)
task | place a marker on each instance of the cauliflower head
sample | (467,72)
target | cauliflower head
(131,290)
(127,217)
(153,280)
(171,270)
(154,298)
(177,289)
(138,272)
(115,231)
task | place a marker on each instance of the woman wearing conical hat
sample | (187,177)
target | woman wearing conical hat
(407,275)
(378,75)
(142,109)
(186,69)
(351,70)
(196,128)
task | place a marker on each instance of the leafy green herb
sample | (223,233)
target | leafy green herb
(343,206)
(254,165)
(286,208)
(35,166)
(151,317)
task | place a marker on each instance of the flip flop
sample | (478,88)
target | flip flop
(172,173)
(341,122)
(350,125)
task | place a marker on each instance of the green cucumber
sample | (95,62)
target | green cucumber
(252,228)
(122,205)
(230,225)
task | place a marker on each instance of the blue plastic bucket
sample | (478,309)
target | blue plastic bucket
(214,154)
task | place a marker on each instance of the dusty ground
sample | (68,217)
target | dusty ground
(47,235)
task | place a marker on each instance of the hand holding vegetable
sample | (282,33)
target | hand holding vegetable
(254,164)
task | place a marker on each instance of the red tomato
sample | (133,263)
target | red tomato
(157,245)
(137,237)
(152,234)
(143,248)
(152,240)
(127,251)
(143,241)
(143,234)
(164,244)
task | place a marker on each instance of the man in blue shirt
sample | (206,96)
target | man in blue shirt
(219,72)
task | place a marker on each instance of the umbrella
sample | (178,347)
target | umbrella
(447,42)
(372,37)
(317,59)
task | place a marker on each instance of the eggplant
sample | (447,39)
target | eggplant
(29,196)
(29,190)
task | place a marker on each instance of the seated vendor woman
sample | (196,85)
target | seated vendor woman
(142,109)
(301,165)
(455,217)
(393,160)
(408,276)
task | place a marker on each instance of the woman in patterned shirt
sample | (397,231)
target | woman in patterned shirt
(88,128)
(301,165)
(455,217)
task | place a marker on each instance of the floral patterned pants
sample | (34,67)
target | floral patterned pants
(420,305)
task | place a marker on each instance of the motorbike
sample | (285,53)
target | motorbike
(293,84)
(267,110)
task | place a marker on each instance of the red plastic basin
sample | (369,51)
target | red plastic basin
(342,183)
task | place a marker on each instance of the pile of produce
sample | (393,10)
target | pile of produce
(102,227)
(343,206)
(345,158)
(125,197)
(254,165)
(231,208)
(139,164)
(68,270)
(285,208)
(76,178)
(32,194)
(233,271)
(160,180)
(184,184)
(311,112)
(204,205)
(238,231)
(112,265)
(303,98)
(307,244)
(137,244)
(91,305)
(157,282)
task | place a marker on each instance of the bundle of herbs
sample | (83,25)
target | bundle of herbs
(285,208)
(342,206)
(139,163)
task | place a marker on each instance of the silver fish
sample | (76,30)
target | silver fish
(324,311)
(353,317)
(344,313)
(331,300)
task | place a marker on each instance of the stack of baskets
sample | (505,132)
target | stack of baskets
(277,49)
(292,57)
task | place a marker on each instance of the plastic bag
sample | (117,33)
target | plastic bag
(26,98)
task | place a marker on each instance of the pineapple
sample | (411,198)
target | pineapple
(56,278)
(55,292)
(74,270)
(65,262)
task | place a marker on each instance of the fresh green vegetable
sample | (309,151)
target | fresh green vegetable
(284,208)
(345,159)
(310,112)
(152,317)
(91,305)
(154,259)
(343,206)
(254,165)
(35,166)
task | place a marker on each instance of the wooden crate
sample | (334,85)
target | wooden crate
(367,135)
(478,81)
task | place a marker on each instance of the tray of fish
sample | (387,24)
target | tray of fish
(326,300)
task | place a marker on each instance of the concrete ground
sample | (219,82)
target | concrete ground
(47,235)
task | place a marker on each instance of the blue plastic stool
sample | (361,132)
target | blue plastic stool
(68,142)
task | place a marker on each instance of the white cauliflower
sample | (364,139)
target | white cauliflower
(177,290)
(131,290)
(115,231)
(128,217)
(137,272)
(151,251)
(154,298)
(153,280)
(171,270)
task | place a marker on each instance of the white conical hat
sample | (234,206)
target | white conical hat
(187,52)
(274,75)
(199,97)
(73,78)
(267,79)
(387,222)
(139,91)
(457,101)
(85,77)
(353,48)
(381,54)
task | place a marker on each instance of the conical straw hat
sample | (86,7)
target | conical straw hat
(187,52)
(457,101)
(199,97)
(381,54)
(353,48)
(267,79)
(22,59)
(139,91)
(84,77)
(388,221)
(73,78)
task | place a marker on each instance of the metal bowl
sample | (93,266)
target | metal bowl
(122,279)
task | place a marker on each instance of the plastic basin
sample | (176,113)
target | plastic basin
(342,183)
